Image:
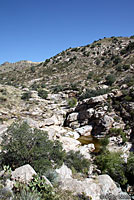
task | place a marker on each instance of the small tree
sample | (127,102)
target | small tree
(24,145)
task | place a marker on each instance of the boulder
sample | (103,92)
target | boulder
(84,130)
(64,172)
(98,99)
(86,149)
(107,121)
(72,117)
(70,144)
(73,134)
(23,174)
(90,112)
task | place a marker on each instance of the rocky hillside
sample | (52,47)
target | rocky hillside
(84,98)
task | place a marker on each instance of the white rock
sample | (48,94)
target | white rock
(90,112)
(70,144)
(84,130)
(64,172)
(107,121)
(85,151)
(23,174)
(73,134)
(72,117)
(49,122)
(98,99)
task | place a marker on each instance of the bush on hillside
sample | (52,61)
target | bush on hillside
(72,102)
(130,168)
(111,163)
(42,93)
(77,161)
(26,96)
(93,93)
(110,79)
(24,145)
(90,75)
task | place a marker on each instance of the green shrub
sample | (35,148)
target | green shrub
(93,93)
(26,194)
(52,176)
(23,145)
(110,79)
(119,68)
(26,96)
(130,168)
(132,37)
(104,142)
(98,61)
(72,102)
(126,67)
(32,69)
(116,59)
(111,163)
(77,161)
(42,93)
(128,98)
(39,184)
(90,75)
(57,88)
(36,189)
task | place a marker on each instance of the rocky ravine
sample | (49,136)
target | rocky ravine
(93,116)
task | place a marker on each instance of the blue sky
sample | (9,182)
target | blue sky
(38,29)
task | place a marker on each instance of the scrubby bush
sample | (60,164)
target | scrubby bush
(93,93)
(110,79)
(111,163)
(23,145)
(57,88)
(32,69)
(103,143)
(26,96)
(90,75)
(98,61)
(42,93)
(77,161)
(130,168)
(132,37)
(129,80)
(72,102)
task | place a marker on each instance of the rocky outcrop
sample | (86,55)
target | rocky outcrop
(95,113)
(100,187)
